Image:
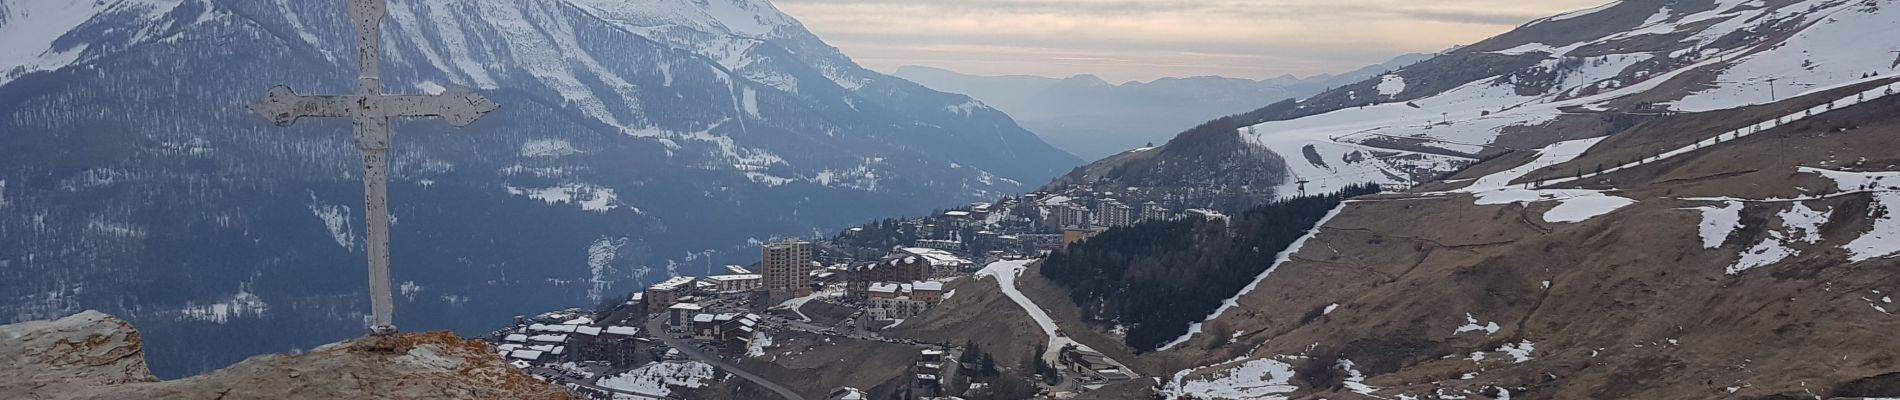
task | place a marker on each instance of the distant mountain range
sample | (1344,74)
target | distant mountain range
(635,138)
(1092,118)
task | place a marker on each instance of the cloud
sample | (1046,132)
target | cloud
(1145,39)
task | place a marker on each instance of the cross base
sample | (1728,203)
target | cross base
(383,330)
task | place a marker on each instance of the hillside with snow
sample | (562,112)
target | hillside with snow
(1648,199)
(1603,70)
(635,139)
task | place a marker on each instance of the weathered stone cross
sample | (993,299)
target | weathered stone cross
(372,111)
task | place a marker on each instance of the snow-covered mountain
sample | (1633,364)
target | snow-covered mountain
(636,138)
(1610,66)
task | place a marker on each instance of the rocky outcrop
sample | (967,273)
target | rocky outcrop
(89,348)
(92,355)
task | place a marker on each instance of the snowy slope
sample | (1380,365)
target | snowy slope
(1688,56)
(32,29)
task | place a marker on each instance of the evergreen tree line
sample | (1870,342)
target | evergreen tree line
(1157,278)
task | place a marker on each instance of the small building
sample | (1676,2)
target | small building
(927,291)
(705,326)
(665,294)
(941,262)
(679,315)
(737,283)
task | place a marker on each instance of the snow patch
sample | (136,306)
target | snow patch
(549,148)
(760,341)
(1472,325)
(1355,381)
(658,379)
(1520,351)
(588,197)
(600,259)
(1799,224)
(1391,85)
(1719,223)
(1253,379)
(336,220)
(243,304)
(1884,239)
(1579,209)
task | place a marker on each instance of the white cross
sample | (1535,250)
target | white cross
(371,111)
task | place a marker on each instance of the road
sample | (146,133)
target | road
(658,330)
(1005,273)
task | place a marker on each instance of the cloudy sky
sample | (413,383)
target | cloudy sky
(1144,39)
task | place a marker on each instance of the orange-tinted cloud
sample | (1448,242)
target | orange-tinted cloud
(1145,39)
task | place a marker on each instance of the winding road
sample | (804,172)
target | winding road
(658,330)
(1005,273)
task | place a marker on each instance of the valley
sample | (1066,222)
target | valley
(1650,199)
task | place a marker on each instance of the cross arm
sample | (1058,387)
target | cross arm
(284,106)
(460,106)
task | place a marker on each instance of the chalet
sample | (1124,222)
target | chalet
(941,262)
(704,327)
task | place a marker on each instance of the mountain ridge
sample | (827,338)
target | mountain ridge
(634,141)
(1093,118)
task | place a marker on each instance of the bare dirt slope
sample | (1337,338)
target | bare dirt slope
(96,356)
(814,365)
(1440,297)
(979,313)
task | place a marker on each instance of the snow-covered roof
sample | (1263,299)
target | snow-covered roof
(936,257)
(525,354)
(551,328)
(737,270)
(927,285)
(508,347)
(741,277)
(956,214)
(549,338)
(623,330)
(588,330)
(579,321)
(703,318)
(686,307)
(517,338)
(726,317)
(671,284)
(885,288)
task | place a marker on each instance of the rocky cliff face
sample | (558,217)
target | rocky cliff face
(92,355)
